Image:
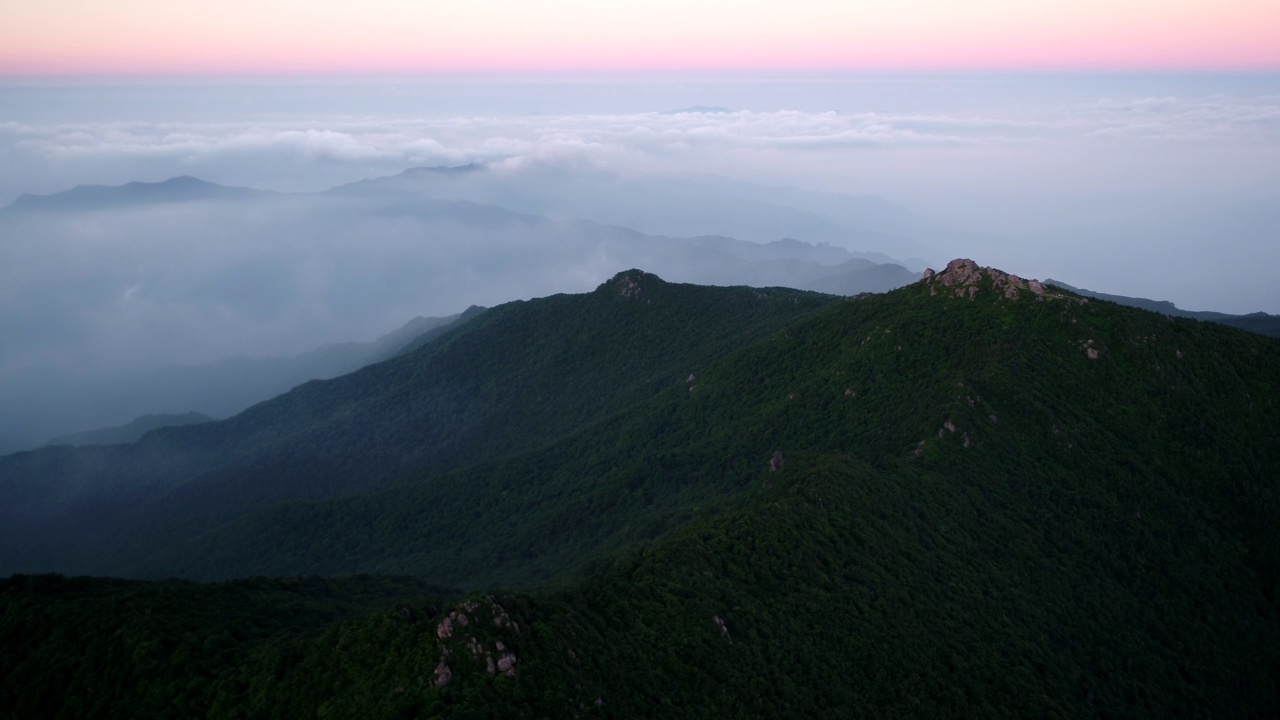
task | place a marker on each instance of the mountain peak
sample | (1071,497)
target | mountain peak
(966,278)
(632,283)
(189,181)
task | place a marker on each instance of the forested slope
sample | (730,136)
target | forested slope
(510,380)
(974,496)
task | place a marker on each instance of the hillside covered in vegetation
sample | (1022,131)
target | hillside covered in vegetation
(973,496)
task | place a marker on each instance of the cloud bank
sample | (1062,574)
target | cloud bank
(279,154)
(1160,187)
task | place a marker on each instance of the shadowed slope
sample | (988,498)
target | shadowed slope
(974,496)
(513,379)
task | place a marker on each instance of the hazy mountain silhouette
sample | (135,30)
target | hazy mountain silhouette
(112,289)
(131,431)
(1259,322)
(177,189)
(673,205)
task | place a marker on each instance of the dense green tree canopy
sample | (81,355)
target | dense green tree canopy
(973,496)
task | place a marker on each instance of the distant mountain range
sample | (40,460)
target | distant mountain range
(462,195)
(975,495)
(131,431)
(111,294)
(1259,322)
(177,189)
(677,205)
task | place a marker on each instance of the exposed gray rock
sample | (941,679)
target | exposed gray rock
(777,462)
(963,276)
(443,673)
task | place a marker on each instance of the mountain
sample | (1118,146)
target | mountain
(972,496)
(131,431)
(1259,322)
(512,379)
(853,277)
(174,190)
(110,295)
(673,205)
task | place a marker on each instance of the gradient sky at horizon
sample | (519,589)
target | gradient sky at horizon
(1066,133)
(1126,146)
(248,37)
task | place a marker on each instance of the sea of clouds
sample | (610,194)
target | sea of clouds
(1156,186)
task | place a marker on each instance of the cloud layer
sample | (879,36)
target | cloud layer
(457,140)
(1158,186)
(313,152)
(1117,169)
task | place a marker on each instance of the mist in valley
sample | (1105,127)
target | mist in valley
(308,214)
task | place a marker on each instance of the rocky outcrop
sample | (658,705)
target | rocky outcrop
(777,462)
(960,272)
(1089,350)
(633,284)
(468,643)
(443,674)
(629,288)
(963,278)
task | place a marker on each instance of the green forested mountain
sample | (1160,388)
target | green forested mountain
(512,379)
(973,496)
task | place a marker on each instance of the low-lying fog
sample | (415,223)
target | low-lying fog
(1158,186)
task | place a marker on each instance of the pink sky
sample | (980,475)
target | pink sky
(158,37)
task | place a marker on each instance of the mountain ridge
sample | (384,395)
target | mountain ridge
(375,408)
(131,431)
(974,495)
(180,188)
(1257,322)
(276,275)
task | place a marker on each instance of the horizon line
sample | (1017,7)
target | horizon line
(623,74)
